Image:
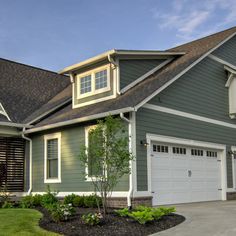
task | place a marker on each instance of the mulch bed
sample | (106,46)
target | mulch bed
(110,225)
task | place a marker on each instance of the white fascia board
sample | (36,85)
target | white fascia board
(182,73)
(3,112)
(16,125)
(141,78)
(79,120)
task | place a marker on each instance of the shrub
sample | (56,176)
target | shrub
(142,216)
(7,205)
(92,201)
(123,212)
(92,219)
(157,213)
(167,210)
(78,201)
(27,202)
(37,200)
(69,198)
(61,212)
(49,198)
(142,208)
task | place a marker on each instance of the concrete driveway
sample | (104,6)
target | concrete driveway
(203,219)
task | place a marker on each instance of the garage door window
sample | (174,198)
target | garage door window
(196,152)
(179,150)
(211,154)
(160,148)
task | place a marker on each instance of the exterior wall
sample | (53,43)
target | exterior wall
(131,70)
(72,178)
(201,91)
(227,51)
(154,122)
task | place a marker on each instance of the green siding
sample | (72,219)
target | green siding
(149,121)
(200,91)
(227,51)
(131,70)
(72,170)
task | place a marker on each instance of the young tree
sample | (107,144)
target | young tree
(106,156)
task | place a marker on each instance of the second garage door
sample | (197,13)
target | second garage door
(181,174)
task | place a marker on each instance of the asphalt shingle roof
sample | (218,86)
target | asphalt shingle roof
(194,50)
(25,89)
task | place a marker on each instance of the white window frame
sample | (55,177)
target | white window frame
(87,129)
(46,138)
(93,90)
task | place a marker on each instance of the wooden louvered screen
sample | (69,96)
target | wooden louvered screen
(12,153)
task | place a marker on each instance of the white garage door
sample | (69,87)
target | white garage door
(181,174)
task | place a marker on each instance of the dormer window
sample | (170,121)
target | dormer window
(93,82)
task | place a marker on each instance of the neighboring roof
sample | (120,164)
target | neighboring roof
(194,52)
(24,88)
(116,52)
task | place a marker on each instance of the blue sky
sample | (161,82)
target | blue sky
(53,34)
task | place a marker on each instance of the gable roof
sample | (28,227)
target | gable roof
(141,93)
(24,89)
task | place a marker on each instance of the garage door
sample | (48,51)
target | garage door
(181,174)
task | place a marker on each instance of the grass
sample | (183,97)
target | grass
(21,222)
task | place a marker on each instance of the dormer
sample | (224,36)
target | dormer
(112,73)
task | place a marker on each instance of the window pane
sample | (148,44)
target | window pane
(52,158)
(52,169)
(85,84)
(101,79)
(95,153)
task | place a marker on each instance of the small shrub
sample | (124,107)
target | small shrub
(78,201)
(61,212)
(27,202)
(92,219)
(123,212)
(167,210)
(49,198)
(142,208)
(92,201)
(37,200)
(142,217)
(157,213)
(69,198)
(7,205)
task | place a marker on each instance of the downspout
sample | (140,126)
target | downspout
(130,193)
(30,159)
(116,65)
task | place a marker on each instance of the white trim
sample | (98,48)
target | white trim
(217,59)
(141,78)
(188,115)
(78,120)
(63,194)
(3,112)
(181,73)
(188,142)
(114,52)
(227,85)
(92,73)
(46,138)
(233,148)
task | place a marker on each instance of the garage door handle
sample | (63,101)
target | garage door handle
(153,192)
(189,173)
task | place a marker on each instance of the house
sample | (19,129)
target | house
(179,106)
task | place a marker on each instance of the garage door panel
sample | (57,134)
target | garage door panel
(183,177)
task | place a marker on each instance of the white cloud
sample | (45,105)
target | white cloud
(192,19)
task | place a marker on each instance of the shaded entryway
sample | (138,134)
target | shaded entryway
(12,162)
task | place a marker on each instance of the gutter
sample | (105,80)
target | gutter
(16,125)
(131,188)
(30,159)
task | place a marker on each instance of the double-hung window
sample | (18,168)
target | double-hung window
(52,158)
(93,82)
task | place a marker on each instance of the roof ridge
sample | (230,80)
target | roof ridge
(202,38)
(34,67)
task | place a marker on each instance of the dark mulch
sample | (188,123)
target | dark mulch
(110,225)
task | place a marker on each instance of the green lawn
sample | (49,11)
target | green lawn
(22,222)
